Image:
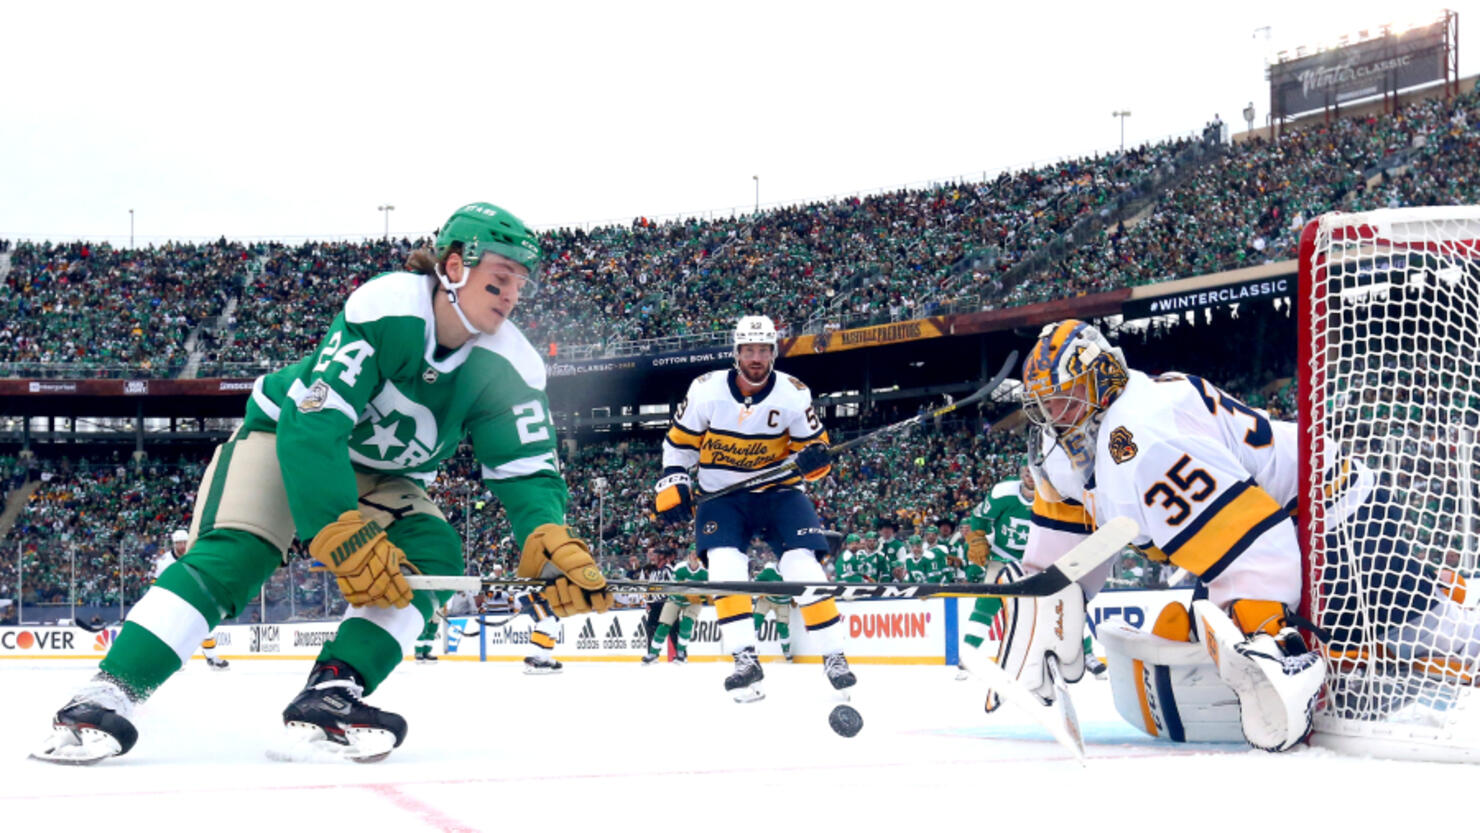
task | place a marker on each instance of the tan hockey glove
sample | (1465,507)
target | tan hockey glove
(977,548)
(551,552)
(364,562)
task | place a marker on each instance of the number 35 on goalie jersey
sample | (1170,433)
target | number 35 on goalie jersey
(1211,481)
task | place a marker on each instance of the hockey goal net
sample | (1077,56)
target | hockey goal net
(1389,381)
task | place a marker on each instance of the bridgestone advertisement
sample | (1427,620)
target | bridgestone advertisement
(1363,70)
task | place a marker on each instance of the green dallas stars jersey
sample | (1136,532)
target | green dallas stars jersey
(938,554)
(855,566)
(1004,516)
(890,554)
(770,573)
(380,397)
(919,570)
(683,572)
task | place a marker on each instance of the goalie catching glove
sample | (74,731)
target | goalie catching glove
(364,562)
(551,552)
(675,499)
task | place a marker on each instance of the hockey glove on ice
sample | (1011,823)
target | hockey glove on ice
(675,499)
(364,562)
(814,462)
(977,548)
(550,552)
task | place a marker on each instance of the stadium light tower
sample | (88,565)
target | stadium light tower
(757,178)
(130,228)
(1249,116)
(386,210)
(1121,114)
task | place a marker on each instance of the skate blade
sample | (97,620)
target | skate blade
(82,747)
(306,743)
(749,694)
(540,672)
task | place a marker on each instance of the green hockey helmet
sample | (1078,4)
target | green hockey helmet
(852,538)
(484,228)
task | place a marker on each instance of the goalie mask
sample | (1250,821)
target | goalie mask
(1070,377)
(485,229)
(755,329)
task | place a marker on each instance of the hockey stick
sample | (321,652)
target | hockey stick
(789,468)
(1058,717)
(1092,552)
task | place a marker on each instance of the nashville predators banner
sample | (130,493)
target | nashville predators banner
(881,334)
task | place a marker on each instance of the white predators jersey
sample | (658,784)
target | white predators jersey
(731,436)
(1212,483)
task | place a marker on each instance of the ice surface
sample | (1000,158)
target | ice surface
(618,746)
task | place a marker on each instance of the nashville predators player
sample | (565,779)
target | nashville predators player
(731,425)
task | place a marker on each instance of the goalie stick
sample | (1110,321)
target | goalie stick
(789,468)
(1098,548)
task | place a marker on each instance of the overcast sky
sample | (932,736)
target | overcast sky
(294,120)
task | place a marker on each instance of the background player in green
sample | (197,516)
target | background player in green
(938,556)
(778,606)
(889,558)
(336,448)
(683,609)
(997,534)
(917,564)
(855,564)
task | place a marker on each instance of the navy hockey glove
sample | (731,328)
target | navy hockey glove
(675,500)
(814,462)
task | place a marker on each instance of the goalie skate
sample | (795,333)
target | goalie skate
(328,721)
(92,727)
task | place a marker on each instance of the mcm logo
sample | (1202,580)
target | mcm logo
(1121,446)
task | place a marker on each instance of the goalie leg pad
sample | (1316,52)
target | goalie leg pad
(1275,678)
(1041,631)
(1168,687)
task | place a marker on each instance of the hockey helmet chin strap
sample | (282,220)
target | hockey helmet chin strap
(451,290)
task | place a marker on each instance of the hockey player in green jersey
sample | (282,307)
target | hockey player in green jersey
(917,564)
(854,564)
(937,556)
(682,609)
(777,606)
(997,534)
(336,449)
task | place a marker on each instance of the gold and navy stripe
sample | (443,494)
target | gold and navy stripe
(821,614)
(683,438)
(1065,516)
(1228,526)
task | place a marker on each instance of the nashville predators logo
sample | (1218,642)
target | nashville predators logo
(1121,447)
(820,342)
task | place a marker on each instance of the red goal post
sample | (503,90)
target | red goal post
(1389,414)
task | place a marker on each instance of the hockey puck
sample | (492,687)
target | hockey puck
(845,720)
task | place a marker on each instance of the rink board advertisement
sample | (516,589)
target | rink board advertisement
(897,631)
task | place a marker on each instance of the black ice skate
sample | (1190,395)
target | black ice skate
(838,673)
(1093,665)
(328,719)
(539,665)
(93,726)
(217,664)
(681,656)
(745,683)
(649,659)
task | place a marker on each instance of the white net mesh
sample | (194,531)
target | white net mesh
(1390,422)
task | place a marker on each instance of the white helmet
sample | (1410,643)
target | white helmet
(179,535)
(755,329)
